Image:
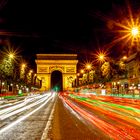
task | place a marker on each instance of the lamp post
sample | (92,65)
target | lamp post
(135,35)
(30,79)
(118,88)
(101,57)
(34,79)
(82,72)
(22,72)
(88,68)
(135,32)
(77,79)
(11,59)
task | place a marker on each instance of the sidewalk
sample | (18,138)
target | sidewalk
(125,96)
(99,92)
(10,97)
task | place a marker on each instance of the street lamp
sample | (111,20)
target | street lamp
(135,35)
(101,56)
(31,79)
(22,72)
(135,31)
(31,71)
(82,71)
(9,61)
(124,57)
(78,74)
(23,65)
(88,68)
(11,55)
(77,79)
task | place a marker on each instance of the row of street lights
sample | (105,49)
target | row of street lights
(132,33)
(27,76)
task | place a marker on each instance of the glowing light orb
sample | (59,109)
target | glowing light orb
(11,55)
(135,31)
(101,57)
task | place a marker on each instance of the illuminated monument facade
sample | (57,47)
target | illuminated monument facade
(64,63)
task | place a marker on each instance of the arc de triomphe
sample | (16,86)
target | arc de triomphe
(48,63)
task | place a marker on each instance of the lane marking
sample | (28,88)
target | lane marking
(24,117)
(46,130)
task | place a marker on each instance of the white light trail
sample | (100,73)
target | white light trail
(2,106)
(11,104)
(4,116)
(25,116)
(26,101)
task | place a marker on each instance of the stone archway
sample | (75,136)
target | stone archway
(65,63)
(56,81)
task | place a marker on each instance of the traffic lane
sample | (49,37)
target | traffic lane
(119,100)
(31,127)
(118,122)
(68,125)
(18,101)
(126,112)
(16,111)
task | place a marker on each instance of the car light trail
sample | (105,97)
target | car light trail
(118,112)
(123,132)
(4,116)
(126,109)
(114,117)
(2,106)
(12,108)
(25,116)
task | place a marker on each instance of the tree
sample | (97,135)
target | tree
(106,70)
(97,75)
(6,67)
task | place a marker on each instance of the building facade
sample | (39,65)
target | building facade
(64,63)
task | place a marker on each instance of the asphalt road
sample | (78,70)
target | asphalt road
(95,118)
(70,117)
(25,119)
(67,125)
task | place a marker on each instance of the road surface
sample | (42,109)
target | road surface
(70,117)
(79,117)
(26,119)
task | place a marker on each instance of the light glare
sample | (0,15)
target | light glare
(135,31)
(11,55)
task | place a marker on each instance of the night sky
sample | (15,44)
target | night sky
(61,26)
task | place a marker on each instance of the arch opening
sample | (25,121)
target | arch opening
(56,81)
